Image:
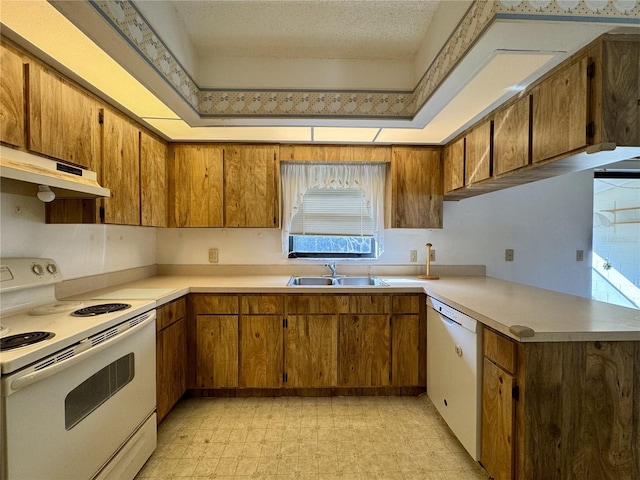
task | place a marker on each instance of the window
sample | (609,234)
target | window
(333,210)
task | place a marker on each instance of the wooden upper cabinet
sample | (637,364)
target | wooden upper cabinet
(195,186)
(11,98)
(560,112)
(251,178)
(453,158)
(416,183)
(615,89)
(121,169)
(479,153)
(153,181)
(335,153)
(63,120)
(511,137)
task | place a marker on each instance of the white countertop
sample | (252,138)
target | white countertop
(498,304)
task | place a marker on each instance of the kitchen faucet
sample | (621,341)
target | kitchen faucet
(332,267)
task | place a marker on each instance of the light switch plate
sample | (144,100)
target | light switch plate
(213,255)
(579,255)
(413,255)
(432,255)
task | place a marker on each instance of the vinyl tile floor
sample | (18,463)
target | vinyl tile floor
(320,438)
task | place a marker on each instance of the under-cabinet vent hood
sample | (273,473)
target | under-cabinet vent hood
(22,172)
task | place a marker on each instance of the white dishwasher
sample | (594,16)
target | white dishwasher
(454,349)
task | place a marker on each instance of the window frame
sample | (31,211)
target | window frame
(337,255)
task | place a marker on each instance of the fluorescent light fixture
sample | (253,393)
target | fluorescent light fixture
(179,130)
(503,76)
(344,135)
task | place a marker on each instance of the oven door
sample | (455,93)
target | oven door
(69,419)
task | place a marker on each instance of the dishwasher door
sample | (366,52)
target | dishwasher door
(453,376)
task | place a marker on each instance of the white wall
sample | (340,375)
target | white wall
(80,250)
(544,222)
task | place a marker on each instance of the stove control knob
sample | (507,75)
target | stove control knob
(52,269)
(37,269)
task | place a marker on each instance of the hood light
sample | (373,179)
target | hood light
(45,194)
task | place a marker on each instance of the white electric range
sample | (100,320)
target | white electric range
(77,379)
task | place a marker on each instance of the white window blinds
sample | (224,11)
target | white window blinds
(326,211)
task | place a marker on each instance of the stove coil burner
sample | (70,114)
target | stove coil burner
(94,310)
(24,339)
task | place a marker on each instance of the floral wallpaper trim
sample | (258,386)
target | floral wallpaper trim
(128,22)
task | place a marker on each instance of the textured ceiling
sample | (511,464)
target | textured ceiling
(338,29)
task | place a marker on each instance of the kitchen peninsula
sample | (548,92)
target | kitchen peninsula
(560,377)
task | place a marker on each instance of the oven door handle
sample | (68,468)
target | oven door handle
(85,351)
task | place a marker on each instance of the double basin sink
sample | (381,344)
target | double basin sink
(338,280)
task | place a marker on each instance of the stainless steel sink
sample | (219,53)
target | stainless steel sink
(336,281)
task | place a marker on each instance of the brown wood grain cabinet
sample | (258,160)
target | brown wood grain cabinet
(560,112)
(251,179)
(511,137)
(120,169)
(562,410)
(171,356)
(153,181)
(195,185)
(12,120)
(453,160)
(408,346)
(62,119)
(213,341)
(335,153)
(417,189)
(479,153)
(261,341)
(498,406)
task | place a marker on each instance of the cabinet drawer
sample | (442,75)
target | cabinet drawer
(215,304)
(170,313)
(262,304)
(500,350)
(406,303)
(317,304)
(370,304)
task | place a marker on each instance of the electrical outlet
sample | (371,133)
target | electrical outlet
(432,255)
(413,255)
(508,255)
(579,255)
(213,255)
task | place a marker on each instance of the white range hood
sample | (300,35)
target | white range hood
(22,173)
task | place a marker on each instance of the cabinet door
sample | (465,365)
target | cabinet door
(11,98)
(121,170)
(261,351)
(63,121)
(454,166)
(195,186)
(511,137)
(217,351)
(153,181)
(405,359)
(310,356)
(251,186)
(479,151)
(416,187)
(171,360)
(560,112)
(497,422)
(363,350)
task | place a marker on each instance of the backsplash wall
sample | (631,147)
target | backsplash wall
(544,222)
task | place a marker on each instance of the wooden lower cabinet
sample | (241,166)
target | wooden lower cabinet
(310,351)
(405,348)
(217,351)
(498,421)
(261,351)
(364,353)
(562,410)
(171,356)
